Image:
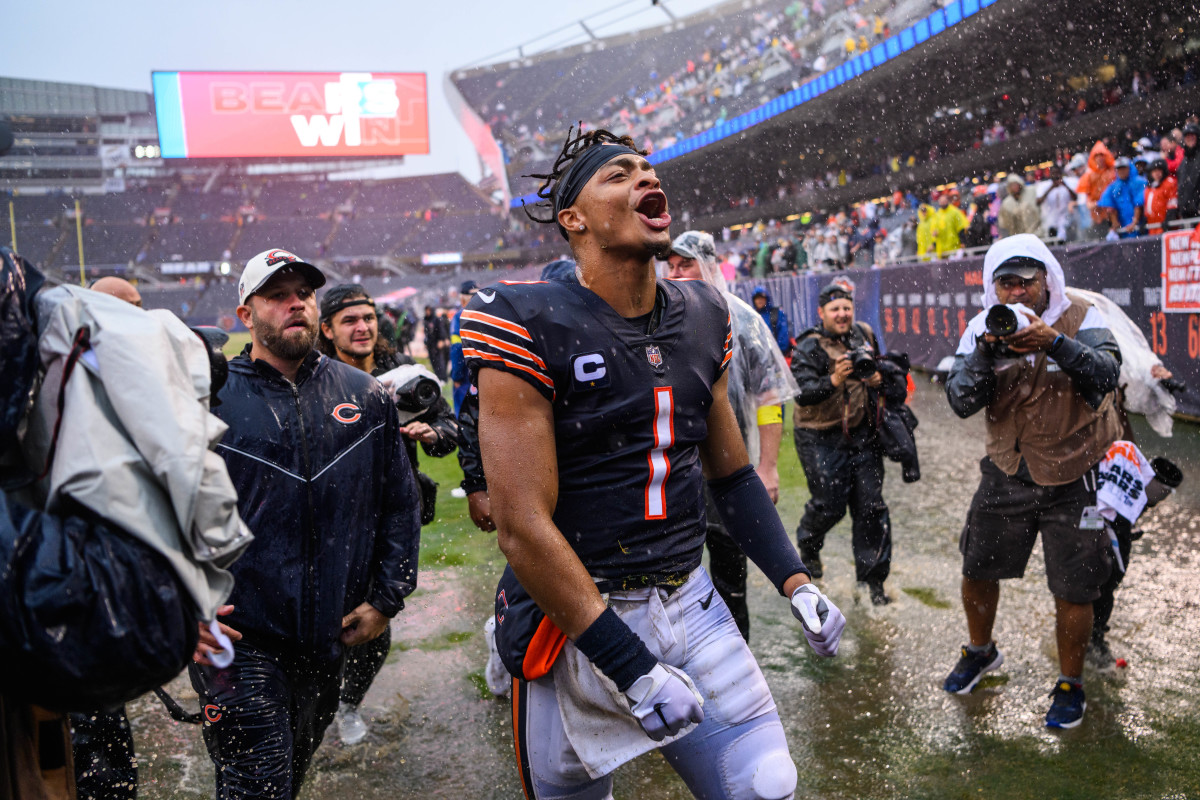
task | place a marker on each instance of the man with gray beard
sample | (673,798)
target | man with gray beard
(315,451)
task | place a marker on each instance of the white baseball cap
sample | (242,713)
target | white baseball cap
(264,265)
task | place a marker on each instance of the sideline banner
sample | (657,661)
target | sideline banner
(923,309)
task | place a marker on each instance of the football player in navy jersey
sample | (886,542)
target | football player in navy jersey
(603,406)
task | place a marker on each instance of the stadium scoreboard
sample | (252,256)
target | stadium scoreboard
(290,114)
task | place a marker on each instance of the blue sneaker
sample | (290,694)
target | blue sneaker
(1066,711)
(970,668)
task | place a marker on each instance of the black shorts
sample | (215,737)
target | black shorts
(1003,522)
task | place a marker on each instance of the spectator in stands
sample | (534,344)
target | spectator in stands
(437,342)
(979,223)
(775,318)
(1188,174)
(1099,175)
(1123,200)
(1019,212)
(925,231)
(1162,204)
(1056,202)
(949,222)
(1172,153)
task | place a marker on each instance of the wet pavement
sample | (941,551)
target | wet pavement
(872,723)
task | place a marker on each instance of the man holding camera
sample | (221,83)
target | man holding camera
(314,450)
(1048,393)
(836,432)
(350,333)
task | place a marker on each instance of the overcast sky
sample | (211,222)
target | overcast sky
(117,43)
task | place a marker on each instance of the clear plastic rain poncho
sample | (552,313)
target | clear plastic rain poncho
(758,373)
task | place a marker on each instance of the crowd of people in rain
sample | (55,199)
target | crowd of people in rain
(1097,195)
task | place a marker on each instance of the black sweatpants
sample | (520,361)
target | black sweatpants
(264,717)
(846,472)
(362,665)
(1102,607)
(102,747)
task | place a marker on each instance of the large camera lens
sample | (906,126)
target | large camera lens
(863,363)
(1000,321)
(417,394)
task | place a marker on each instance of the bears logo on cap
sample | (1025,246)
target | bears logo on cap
(280,257)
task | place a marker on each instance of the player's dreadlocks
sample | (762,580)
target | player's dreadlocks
(576,144)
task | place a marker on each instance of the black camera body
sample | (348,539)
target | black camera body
(862,362)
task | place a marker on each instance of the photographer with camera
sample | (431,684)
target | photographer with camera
(837,416)
(350,333)
(315,450)
(103,573)
(1045,371)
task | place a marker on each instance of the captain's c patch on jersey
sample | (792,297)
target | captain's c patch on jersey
(589,371)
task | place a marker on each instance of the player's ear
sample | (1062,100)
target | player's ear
(572,220)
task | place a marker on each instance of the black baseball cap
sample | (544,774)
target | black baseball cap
(468,287)
(1023,267)
(833,292)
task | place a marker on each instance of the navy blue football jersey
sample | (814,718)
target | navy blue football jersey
(630,409)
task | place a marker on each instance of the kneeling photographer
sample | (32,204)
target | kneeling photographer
(350,333)
(843,391)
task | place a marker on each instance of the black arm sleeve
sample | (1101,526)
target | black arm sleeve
(810,368)
(752,522)
(1093,362)
(971,382)
(468,446)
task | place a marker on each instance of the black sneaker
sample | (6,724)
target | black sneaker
(878,596)
(970,668)
(1066,710)
(1098,654)
(812,560)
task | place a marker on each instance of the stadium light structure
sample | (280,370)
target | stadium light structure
(919,32)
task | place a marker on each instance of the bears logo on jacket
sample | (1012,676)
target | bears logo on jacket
(346,413)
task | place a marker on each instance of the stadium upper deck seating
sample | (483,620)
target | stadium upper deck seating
(190,241)
(304,235)
(301,198)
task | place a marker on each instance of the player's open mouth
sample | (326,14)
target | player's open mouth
(652,208)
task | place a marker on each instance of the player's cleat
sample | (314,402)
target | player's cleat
(971,667)
(351,727)
(1067,707)
(878,596)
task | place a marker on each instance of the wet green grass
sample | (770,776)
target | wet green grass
(1015,769)
(926,595)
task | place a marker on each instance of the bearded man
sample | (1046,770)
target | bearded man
(315,450)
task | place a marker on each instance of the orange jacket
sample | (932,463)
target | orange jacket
(1159,200)
(1099,175)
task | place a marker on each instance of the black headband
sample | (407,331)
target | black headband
(582,168)
(327,313)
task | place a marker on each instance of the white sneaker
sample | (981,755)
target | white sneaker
(495,673)
(351,728)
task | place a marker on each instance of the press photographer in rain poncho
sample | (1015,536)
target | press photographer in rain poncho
(759,384)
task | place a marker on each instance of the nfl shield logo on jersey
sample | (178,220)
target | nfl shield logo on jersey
(654,356)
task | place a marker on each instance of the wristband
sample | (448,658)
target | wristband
(770,415)
(615,650)
(1054,345)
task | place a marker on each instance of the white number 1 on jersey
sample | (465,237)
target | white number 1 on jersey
(660,464)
